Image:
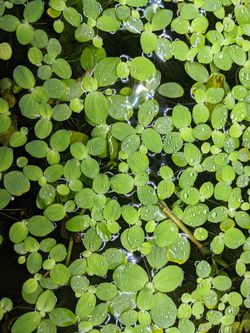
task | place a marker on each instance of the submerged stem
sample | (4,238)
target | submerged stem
(165,209)
(70,247)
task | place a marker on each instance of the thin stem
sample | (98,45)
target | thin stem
(165,209)
(9,216)
(70,247)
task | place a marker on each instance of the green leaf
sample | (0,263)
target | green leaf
(214,95)
(85,305)
(121,130)
(197,71)
(91,8)
(165,233)
(135,237)
(84,33)
(130,277)
(138,162)
(85,198)
(55,212)
(181,116)
(217,214)
(165,189)
(137,3)
(40,226)
(55,88)
(234,238)
(34,262)
(106,291)
(60,140)
(164,311)
(77,223)
(152,140)
(16,183)
(5,198)
(146,194)
(171,90)
(97,146)
(62,317)
(222,282)
(79,284)
(180,25)
(164,49)
(37,148)
(161,19)
(46,301)
(122,183)
(203,269)
(133,25)
(9,23)
(97,264)
(107,23)
(172,142)
(105,71)
(43,128)
(192,154)
(18,232)
(60,275)
(189,11)
(6,158)
(72,16)
(179,251)
(96,107)
(141,68)
(91,56)
(24,77)
(148,41)
(195,216)
(26,323)
(157,257)
(101,184)
(33,11)
(168,279)
(62,68)
(90,168)
(24,33)
(46,326)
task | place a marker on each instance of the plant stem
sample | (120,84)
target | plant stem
(165,209)
(70,247)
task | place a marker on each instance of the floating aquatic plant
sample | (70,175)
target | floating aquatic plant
(135,164)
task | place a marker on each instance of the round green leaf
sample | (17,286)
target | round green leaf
(62,317)
(62,68)
(171,90)
(26,323)
(107,23)
(141,68)
(55,212)
(130,277)
(234,238)
(24,77)
(16,183)
(33,11)
(6,158)
(164,311)
(122,183)
(105,71)
(40,226)
(168,279)
(85,305)
(152,140)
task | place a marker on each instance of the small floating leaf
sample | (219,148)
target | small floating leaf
(130,277)
(168,279)
(171,90)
